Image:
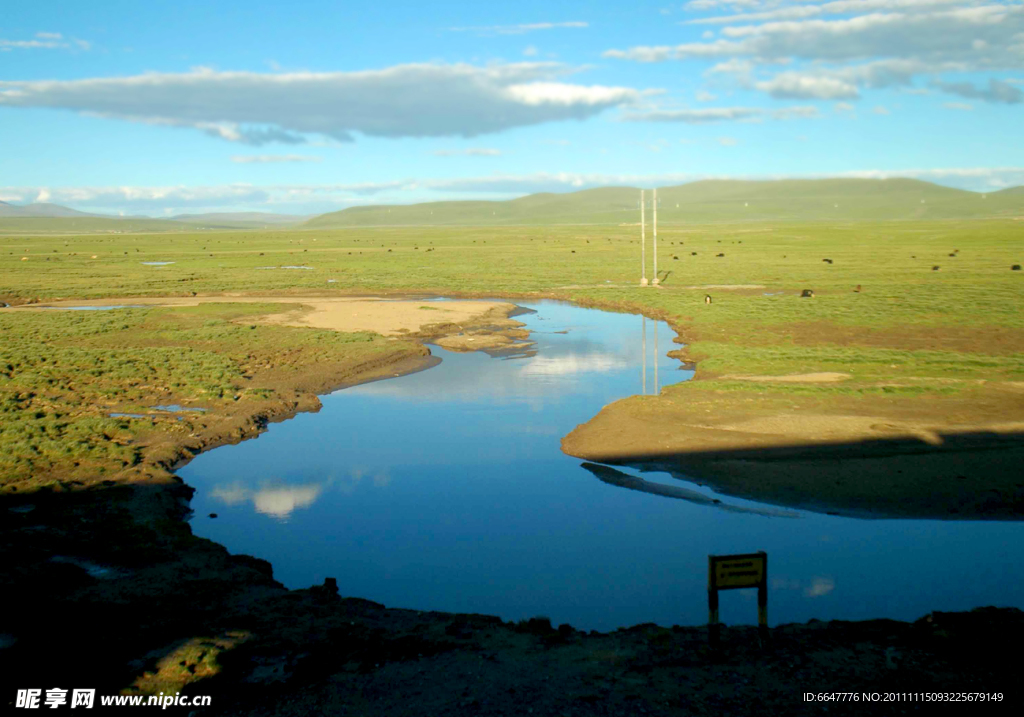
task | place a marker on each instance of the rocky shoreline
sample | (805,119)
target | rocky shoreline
(109,589)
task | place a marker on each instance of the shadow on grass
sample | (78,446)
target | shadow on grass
(948,476)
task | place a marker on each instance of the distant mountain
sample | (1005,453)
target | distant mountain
(704,201)
(40,210)
(241,218)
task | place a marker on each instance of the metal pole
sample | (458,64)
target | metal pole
(762,604)
(714,628)
(643,243)
(655,210)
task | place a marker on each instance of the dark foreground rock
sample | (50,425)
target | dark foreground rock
(108,589)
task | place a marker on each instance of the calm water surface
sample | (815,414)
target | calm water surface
(447,490)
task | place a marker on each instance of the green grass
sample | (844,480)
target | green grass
(704,201)
(908,321)
(63,372)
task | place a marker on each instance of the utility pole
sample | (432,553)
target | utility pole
(643,244)
(655,210)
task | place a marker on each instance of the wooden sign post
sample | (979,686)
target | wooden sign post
(733,572)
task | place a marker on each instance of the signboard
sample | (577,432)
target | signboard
(728,572)
(734,572)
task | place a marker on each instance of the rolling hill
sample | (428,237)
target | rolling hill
(705,201)
(55,219)
(241,219)
(40,210)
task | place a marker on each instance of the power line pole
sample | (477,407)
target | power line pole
(643,243)
(655,210)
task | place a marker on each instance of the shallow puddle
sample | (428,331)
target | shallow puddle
(447,490)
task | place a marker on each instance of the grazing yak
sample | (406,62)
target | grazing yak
(806,294)
(707,298)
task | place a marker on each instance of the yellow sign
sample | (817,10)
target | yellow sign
(729,572)
(737,571)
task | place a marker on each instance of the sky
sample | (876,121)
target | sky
(161,108)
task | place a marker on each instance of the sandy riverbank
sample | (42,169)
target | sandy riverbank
(389,317)
(112,575)
(909,461)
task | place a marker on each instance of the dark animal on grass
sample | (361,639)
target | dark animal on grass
(719,254)
(935,268)
(857,290)
(953,255)
(675,258)
(827,261)
(806,294)
(1015,267)
(693,253)
(707,298)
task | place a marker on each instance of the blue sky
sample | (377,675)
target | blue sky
(168,107)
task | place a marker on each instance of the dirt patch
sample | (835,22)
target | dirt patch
(171,612)
(990,340)
(338,313)
(820,377)
(923,457)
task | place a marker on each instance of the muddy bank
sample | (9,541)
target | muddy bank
(135,604)
(109,589)
(855,465)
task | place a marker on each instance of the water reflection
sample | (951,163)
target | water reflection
(447,490)
(276,500)
(612,476)
(645,357)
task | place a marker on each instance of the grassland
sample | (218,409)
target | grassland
(63,373)
(915,343)
(910,331)
(704,202)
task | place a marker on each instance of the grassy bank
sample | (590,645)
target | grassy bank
(909,331)
(64,373)
(913,345)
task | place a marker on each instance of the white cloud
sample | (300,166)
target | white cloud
(307,198)
(793,85)
(471,152)
(522,28)
(700,116)
(277,500)
(843,107)
(997,91)
(44,41)
(723,114)
(820,586)
(796,112)
(841,7)
(963,106)
(881,43)
(421,100)
(273,158)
